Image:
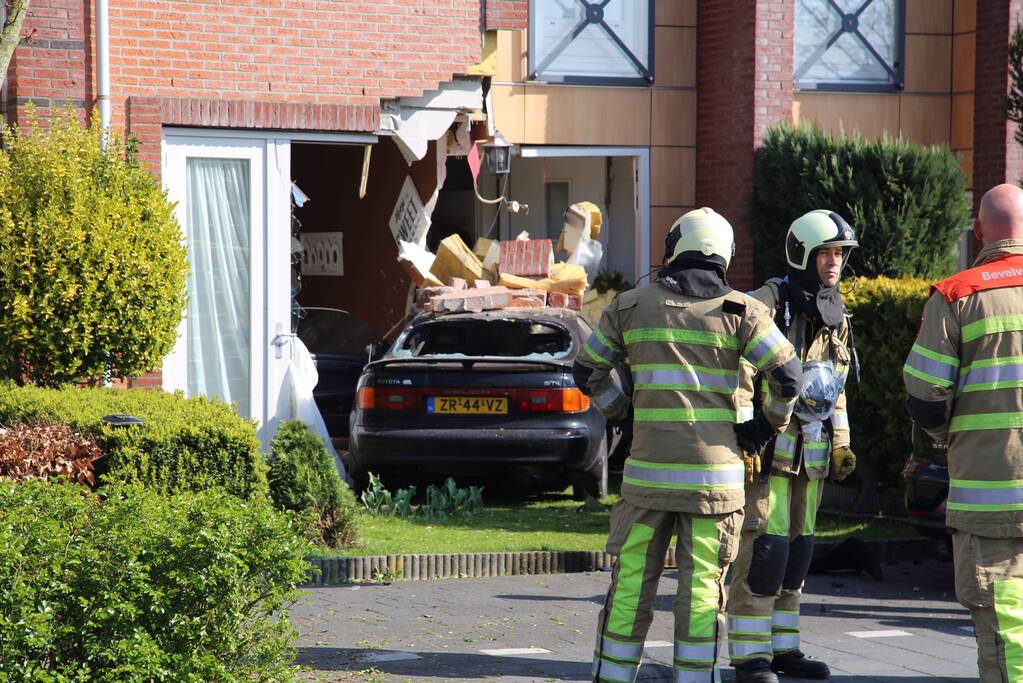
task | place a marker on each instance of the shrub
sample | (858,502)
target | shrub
(886,317)
(303,477)
(185,445)
(907,203)
(92,267)
(143,587)
(45,451)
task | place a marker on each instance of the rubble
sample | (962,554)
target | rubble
(417,262)
(528,258)
(562,300)
(454,259)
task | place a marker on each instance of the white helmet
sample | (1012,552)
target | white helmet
(702,231)
(818,228)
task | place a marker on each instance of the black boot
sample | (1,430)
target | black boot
(794,663)
(755,671)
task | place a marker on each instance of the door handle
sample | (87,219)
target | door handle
(280,340)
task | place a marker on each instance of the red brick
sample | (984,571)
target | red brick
(562,300)
(528,258)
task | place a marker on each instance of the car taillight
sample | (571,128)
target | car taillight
(388,398)
(552,401)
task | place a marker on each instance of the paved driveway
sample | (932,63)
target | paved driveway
(906,629)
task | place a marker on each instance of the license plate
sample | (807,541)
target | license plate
(467,405)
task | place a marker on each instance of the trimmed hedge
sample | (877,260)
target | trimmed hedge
(186,444)
(92,263)
(886,317)
(304,478)
(136,585)
(907,203)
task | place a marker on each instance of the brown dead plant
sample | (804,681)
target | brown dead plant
(46,452)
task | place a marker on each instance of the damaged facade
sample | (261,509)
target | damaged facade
(370,109)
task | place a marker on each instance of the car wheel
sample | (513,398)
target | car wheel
(593,482)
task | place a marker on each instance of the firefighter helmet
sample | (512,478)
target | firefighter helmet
(818,228)
(702,231)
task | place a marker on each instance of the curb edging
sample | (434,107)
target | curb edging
(334,571)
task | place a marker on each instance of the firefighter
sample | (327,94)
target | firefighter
(682,336)
(964,380)
(783,488)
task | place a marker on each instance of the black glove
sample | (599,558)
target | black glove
(754,434)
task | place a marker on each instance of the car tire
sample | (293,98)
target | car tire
(593,482)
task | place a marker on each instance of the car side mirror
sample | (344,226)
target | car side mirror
(376,350)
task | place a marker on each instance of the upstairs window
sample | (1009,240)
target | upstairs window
(592,41)
(849,45)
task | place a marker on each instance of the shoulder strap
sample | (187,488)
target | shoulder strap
(782,314)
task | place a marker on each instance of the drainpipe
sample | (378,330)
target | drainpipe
(103,65)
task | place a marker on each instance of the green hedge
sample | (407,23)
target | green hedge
(907,203)
(303,477)
(141,586)
(186,444)
(886,317)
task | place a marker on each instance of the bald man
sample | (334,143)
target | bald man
(964,378)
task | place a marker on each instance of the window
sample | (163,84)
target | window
(592,41)
(850,45)
(555,204)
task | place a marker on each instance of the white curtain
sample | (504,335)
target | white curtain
(219,227)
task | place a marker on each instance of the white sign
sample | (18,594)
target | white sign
(409,220)
(323,253)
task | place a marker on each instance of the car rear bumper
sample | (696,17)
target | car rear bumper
(479,451)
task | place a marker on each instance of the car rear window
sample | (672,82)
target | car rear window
(332,331)
(527,339)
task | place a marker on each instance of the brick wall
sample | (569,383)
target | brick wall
(309,51)
(744,80)
(506,14)
(997,158)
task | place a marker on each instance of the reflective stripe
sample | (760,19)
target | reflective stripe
(746,649)
(810,517)
(985,496)
(684,377)
(764,347)
(619,650)
(687,676)
(785,448)
(601,350)
(966,423)
(778,507)
(749,624)
(1004,376)
(745,414)
(815,453)
(613,672)
(672,334)
(685,415)
(931,366)
(992,325)
(607,398)
(779,407)
(684,477)
(785,642)
(785,619)
(1009,612)
(704,591)
(695,652)
(840,420)
(631,567)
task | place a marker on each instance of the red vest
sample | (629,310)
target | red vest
(1004,272)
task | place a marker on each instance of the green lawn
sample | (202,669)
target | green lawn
(550,522)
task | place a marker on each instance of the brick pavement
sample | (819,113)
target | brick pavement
(440,630)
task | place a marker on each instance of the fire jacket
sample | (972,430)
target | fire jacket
(964,378)
(683,353)
(791,451)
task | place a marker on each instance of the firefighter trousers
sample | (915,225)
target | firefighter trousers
(989,583)
(705,546)
(774,556)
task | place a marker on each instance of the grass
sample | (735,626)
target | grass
(548,522)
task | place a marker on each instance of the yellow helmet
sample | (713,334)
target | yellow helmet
(702,231)
(818,228)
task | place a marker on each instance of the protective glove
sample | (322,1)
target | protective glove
(843,463)
(751,461)
(754,434)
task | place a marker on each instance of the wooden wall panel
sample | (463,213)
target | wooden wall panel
(509,110)
(511,56)
(571,115)
(965,16)
(964,52)
(962,121)
(871,114)
(928,63)
(929,16)
(675,56)
(675,12)
(672,176)
(674,118)
(925,119)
